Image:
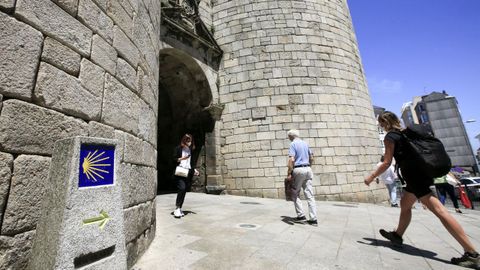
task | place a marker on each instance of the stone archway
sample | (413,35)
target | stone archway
(184,99)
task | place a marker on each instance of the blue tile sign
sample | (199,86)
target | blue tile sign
(96,165)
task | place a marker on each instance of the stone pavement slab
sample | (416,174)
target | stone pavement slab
(233,232)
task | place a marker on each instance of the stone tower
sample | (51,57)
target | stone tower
(293,65)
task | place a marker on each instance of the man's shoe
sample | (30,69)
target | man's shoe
(394,205)
(313,222)
(393,237)
(301,218)
(177,213)
(468,260)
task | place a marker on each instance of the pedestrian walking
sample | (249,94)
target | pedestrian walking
(389,178)
(300,157)
(418,186)
(443,187)
(184,171)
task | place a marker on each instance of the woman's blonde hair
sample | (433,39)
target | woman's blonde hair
(389,121)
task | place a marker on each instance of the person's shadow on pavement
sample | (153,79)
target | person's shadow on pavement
(185,213)
(405,248)
(292,220)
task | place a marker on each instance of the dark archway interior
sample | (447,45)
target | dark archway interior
(184,93)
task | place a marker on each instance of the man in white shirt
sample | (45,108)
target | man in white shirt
(389,178)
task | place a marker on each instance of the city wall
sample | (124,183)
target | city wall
(76,67)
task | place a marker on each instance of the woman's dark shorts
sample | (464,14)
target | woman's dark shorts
(417,183)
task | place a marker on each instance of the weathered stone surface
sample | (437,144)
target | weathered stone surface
(61,26)
(92,77)
(121,107)
(120,137)
(126,74)
(6,165)
(103,54)
(125,47)
(27,128)
(102,4)
(137,247)
(15,251)
(7,5)
(99,130)
(148,124)
(69,6)
(61,56)
(92,16)
(139,184)
(120,16)
(137,219)
(57,90)
(20,49)
(26,193)
(1,102)
(139,152)
(129,6)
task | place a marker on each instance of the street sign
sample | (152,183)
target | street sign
(96,165)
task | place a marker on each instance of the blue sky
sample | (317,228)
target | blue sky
(414,47)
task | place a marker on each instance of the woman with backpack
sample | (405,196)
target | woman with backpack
(418,186)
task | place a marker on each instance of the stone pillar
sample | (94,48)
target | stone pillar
(293,65)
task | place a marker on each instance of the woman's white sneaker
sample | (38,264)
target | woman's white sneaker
(177,213)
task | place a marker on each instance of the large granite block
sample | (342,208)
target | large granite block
(121,107)
(57,90)
(139,152)
(137,219)
(147,126)
(121,18)
(6,165)
(62,26)
(92,77)
(20,50)
(99,130)
(103,54)
(92,16)
(26,193)
(139,184)
(125,47)
(62,57)
(126,74)
(69,6)
(15,251)
(27,128)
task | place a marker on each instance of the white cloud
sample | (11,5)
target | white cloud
(384,86)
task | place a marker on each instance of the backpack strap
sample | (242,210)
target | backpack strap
(397,171)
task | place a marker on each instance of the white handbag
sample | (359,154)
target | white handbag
(180,171)
(451,181)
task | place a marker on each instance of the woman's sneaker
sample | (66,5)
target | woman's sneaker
(177,213)
(468,260)
(393,237)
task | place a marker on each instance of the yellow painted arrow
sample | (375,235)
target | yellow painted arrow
(102,219)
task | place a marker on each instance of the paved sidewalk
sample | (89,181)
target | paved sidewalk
(216,234)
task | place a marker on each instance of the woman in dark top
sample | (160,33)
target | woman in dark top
(418,186)
(182,156)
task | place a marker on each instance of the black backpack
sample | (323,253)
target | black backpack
(422,151)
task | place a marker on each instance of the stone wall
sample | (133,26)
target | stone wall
(293,64)
(76,67)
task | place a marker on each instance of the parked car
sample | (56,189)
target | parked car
(473,187)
